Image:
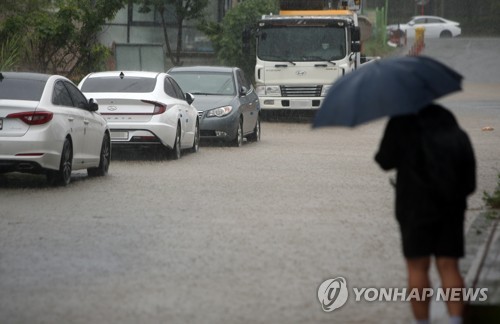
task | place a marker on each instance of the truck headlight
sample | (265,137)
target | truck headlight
(325,89)
(268,91)
(219,112)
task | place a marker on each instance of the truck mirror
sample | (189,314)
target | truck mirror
(355,34)
(355,47)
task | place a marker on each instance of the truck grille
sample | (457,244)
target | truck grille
(297,91)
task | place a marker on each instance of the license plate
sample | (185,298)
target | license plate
(300,104)
(1,123)
(119,135)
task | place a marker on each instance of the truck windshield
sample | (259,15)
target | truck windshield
(301,43)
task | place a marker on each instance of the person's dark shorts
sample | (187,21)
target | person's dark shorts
(441,238)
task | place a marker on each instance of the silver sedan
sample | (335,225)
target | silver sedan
(227,102)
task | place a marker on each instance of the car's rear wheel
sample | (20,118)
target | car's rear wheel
(445,34)
(63,175)
(196,141)
(104,161)
(255,136)
(175,152)
(238,140)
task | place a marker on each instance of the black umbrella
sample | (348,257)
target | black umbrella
(386,87)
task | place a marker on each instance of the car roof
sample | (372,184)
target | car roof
(144,74)
(203,68)
(426,16)
(26,75)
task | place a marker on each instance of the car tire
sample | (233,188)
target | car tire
(255,136)
(104,161)
(196,141)
(175,152)
(445,34)
(62,177)
(238,140)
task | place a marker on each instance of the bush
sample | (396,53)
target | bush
(10,53)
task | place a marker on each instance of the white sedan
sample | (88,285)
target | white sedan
(48,126)
(435,27)
(145,109)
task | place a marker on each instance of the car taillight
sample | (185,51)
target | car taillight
(159,107)
(33,117)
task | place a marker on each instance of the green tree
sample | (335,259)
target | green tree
(183,10)
(59,36)
(226,37)
(9,53)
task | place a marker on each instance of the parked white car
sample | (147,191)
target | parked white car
(435,27)
(145,109)
(48,126)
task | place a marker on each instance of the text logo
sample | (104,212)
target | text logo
(300,73)
(332,294)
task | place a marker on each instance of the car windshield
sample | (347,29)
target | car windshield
(21,89)
(303,43)
(116,84)
(209,83)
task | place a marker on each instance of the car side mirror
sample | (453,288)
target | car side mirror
(93,105)
(189,98)
(411,23)
(243,91)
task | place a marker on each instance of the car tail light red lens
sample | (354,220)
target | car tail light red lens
(33,117)
(159,107)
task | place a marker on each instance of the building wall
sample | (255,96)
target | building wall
(130,27)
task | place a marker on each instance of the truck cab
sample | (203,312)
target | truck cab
(300,53)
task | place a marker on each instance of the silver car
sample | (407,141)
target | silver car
(227,102)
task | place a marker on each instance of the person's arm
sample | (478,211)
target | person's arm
(388,153)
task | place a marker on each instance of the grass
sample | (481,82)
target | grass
(492,200)
(375,47)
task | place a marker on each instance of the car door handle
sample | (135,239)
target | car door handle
(71,119)
(86,122)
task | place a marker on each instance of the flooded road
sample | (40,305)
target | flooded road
(229,235)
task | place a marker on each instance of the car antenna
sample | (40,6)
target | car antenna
(121,75)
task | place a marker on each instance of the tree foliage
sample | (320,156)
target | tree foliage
(9,53)
(226,37)
(59,37)
(183,10)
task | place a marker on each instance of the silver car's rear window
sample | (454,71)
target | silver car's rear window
(116,84)
(21,89)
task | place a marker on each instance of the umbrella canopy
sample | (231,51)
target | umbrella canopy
(386,87)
